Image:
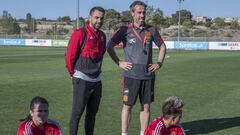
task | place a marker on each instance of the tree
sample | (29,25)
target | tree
(126,16)
(64,19)
(188,24)
(8,24)
(44,19)
(219,22)
(112,19)
(184,14)
(149,12)
(157,18)
(81,22)
(31,23)
(234,25)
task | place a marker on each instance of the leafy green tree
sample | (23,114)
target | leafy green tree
(126,16)
(219,22)
(158,19)
(188,24)
(64,19)
(149,12)
(184,15)
(31,23)
(8,24)
(81,22)
(112,19)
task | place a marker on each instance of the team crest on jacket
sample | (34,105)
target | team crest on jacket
(91,37)
(132,41)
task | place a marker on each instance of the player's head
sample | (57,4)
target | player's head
(172,109)
(138,11)
(96,16)
(39,110)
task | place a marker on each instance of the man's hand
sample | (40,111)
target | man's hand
(125,65)
(154,67)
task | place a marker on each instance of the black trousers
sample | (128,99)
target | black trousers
(85,95)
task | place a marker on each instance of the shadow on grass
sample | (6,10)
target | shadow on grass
(210,125)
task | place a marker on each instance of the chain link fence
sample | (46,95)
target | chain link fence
(168,35)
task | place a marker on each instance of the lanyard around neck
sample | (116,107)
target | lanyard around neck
(139,37)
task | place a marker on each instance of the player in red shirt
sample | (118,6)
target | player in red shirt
(37,122)
(177,130)
(168,124)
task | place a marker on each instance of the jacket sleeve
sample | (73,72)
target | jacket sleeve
(73,50)
(147,132)
(21,128)
(58,130)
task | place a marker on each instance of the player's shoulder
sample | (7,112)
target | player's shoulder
(151,28)
(81,30)
(102,32)
(24,123)
(53,123)
(158,121)
(23,126)
(177,130)
(125,26)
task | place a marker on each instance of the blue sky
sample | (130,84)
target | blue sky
(52,9)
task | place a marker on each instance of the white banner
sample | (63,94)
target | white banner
(224,45)
(38,42)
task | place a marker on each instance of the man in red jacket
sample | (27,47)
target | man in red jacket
(83,59)
(168,124)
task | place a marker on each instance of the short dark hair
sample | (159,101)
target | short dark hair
(137,2)
(172,106)
(97,8)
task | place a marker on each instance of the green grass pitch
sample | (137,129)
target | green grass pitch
(207,81)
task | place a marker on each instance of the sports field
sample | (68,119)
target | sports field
(207,81)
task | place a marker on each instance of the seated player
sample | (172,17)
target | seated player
(168,124)
(37,122)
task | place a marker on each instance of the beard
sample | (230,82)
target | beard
(97,25)
(139,22)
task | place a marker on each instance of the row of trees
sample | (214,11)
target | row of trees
(156,17)
(113,19)
(10,25)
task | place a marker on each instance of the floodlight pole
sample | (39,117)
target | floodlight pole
(77,14)
(179,18)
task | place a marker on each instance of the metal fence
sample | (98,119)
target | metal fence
(109,35)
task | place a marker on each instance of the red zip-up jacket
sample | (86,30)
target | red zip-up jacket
(157,127)
(88,60)
(29,128)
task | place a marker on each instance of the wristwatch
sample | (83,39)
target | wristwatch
(159,64)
